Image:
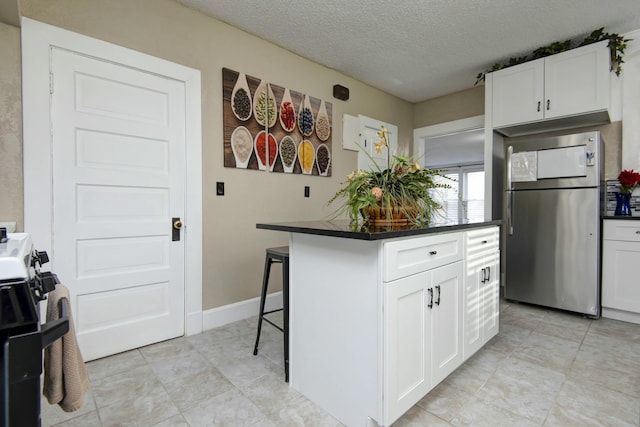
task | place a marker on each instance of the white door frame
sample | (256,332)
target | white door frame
(37,40)
(462,125)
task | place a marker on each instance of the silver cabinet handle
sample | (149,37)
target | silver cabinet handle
(538,106)
(638,232)
(484,275)
(430,305)
(438,289)
(548,104)
(433,252)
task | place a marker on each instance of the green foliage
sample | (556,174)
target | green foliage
(402,184)
(617,45)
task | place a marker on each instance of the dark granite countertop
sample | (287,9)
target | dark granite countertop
(632,218)
(347,230)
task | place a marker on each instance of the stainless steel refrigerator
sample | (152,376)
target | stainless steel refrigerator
(553,212)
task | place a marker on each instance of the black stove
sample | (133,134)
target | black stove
(22,337)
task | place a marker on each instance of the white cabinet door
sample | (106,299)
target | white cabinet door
(474,311)
(446,321)
(407,325)
(423,329)
(491,297)
(620,288)
(577,81)
(481,289)
(518,93)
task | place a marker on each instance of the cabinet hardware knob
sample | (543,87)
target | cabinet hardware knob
(433,252)
(638,232)
(430,305)
(438,289)
(484,242)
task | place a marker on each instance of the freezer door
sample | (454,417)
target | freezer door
(567,161)
(553,252)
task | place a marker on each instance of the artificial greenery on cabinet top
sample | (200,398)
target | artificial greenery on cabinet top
(617,45)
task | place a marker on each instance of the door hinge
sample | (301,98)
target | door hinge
(51,83)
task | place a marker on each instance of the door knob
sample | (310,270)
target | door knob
(175,232)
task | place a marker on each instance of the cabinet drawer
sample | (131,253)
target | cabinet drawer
(619,229)
(481,242)
(406,257)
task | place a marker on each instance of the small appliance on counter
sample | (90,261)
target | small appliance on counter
(554,206)
(22,337)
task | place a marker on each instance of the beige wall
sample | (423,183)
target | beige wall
(10,126)
(459,105)
(233,252)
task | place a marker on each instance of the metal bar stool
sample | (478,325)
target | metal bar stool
(276,255)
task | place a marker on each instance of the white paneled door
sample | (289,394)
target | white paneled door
(118,187)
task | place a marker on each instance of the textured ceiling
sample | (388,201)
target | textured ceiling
(419,49)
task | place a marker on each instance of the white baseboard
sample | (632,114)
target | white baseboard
(221,316)
(625,316)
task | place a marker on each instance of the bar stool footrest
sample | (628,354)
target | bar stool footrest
(273,324)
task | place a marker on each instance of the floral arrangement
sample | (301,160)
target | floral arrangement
(628,180)
(403,185)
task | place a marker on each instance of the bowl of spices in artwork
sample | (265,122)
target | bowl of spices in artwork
(264,105)
(323,126)
(323,159)
(305,117)
(288,153)
(242,146)
(241,99)
(306,156)
(287,112)
(266,152)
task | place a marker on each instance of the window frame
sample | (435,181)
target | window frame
(462,171)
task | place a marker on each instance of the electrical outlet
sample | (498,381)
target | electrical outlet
(306,191)
(219,188)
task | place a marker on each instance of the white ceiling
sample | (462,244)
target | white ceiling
(419,49)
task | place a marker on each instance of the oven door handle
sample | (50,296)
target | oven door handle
(55,329)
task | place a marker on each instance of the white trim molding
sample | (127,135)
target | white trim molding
(37,41)
(456,126)
(631,104)
(230,313)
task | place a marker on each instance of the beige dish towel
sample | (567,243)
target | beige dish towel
(65,377)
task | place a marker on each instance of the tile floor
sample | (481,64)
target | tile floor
(544,368)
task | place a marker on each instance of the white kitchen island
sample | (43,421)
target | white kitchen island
(377,318)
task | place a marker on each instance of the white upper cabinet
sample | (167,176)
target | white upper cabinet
(567,84)
(577,81)
(518,93)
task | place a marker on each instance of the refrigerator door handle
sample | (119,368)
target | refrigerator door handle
(509,154)
(510,212)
